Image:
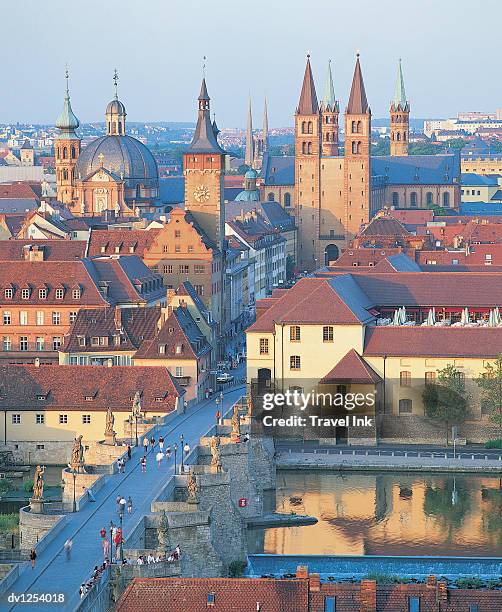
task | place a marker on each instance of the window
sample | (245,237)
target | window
(184,269)
(330,604)
(413,198)
(430,378)
(414,604)
(63,419)
(25,294)
(16,419)
(6,317)
(59,294)
(76,293)
(294,362)
(294,333)
(40,343)
(8,294)
(405,406)
(56,343)
(86,419)
(73,316)
(271,196)
(7,344)
(23,343)
(210,599)
(327,333)
(263,346)
(165,248)
(177,233)
(42,294)
(405,379)
(23,317)
(95,341)
(395,198)
(198,269)
(460,377)
(287,199)
(428,198)
(190,248)
(40,419)
(473,608)
(40,317)
(179,371)
(177,248)
(56,318)
(40,446)
(446,199)
(199,289)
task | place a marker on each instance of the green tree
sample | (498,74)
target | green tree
(446,401)
(447,502)
(6,486)
(490,390)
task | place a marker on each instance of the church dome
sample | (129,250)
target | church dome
(251,174)
(116,107)
(122,155)
(248,196)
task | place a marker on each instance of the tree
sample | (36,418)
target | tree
(490,390)
(446,401)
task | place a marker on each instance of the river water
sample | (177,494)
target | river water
(386,514)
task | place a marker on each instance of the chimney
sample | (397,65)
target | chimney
(37,362)
(170,296)
(118,317)
(431,581)
(302,571)
(314,582)
(367,596)
(442,591)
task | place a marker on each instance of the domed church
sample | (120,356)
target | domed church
(116,172)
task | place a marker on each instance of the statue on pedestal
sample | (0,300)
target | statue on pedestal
(192,488)
(77,454)
(235,434)
(250,405)
(215,453)
(38,483)
(109,433)
(163,533)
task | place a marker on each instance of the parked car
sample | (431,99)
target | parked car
(224,377)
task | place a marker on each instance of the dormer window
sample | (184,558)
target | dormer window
(95,341)
(59,293)
(42,294)
(162,349)
(8,293)
(179,349)
(25,294)
(81,340)
(76,293)
(41,397)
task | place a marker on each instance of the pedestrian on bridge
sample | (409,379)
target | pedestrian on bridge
(143,464)
(33,557)
(152,442)
(161,443)
(129,452)
(67,548)
(129,505)
(145,444)
(159,456)
(168,452)
(118,502)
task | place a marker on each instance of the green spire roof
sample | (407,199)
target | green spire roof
(399,92)
(328,99)
(67,122)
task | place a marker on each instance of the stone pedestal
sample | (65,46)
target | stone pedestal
(82,483)
(37,506)
(110,439)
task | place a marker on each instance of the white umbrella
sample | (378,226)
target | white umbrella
(496,315)
(491,319)
(431,317)
(397,317)
(465,316)
(403,315)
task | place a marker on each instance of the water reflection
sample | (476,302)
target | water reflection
(387,514)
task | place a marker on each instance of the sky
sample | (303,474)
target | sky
(449,50)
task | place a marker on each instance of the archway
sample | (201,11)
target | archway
(331,253)
(264,380)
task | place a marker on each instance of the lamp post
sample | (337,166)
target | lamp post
(137,416)
(175,448)
(111,540)
(182,467)
(74,472)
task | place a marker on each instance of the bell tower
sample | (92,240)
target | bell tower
(399,118)
(203,168)
(66,151)
(329,118)
(357,171)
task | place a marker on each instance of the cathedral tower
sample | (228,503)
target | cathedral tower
(357,171)
(307,172)
(203,168)
(66,151)
(249,155)
(329,117)
(399,118)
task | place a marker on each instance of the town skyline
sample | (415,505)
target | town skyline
(161,80)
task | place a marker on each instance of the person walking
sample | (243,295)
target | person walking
(161,443)
(117,501)
(67,548)
(122,506)
(168,452)
(129,452)
(159,456)
(119,466)
(122,466)
(129,505)
(33,557)
(218,416)
(143,464)
(106,549)
(152,442)
(145,444)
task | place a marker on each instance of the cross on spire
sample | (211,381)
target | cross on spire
(204,67)
(115,83)
(66,76)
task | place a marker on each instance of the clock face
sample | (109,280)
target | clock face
(201,193)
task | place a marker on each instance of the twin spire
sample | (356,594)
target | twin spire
(358,103)
(308,98)
(399,92)
(254,150)
(328,101)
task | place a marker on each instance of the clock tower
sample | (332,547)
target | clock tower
(203,168)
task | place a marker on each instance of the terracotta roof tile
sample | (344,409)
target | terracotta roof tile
(53,250)
(121,242)
(352,368)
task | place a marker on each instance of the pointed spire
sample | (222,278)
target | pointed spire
(216,130)
(116,83)
(265,127)
(328,100)
(399,92)
(67,122)
(358,104)
(249,156)
(204,138)
(308,98)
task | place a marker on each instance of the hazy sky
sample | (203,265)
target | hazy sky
(450,51)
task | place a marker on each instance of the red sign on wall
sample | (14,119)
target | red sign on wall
(243,502)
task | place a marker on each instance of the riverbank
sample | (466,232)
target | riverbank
(321,460)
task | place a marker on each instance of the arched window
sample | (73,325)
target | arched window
(73,152)
(446,199)
(392,136)
(398,136)
(359,147)
(354,127)
(65,174)
(304,147)
(354,147)
(287,199)
(271,197)
(327,137)
(304,127)
(395,198)
(359,127)
(310,127)
(413,198)
(404,136)
(309,148)
(65,153)
(428,198)
(114,127)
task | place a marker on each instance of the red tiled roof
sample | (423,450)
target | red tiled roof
(230,595)
(66,387)
(385,226)
(122,242)
(53,250)
(479,342)
(364,256)
(17,191)
(352,368)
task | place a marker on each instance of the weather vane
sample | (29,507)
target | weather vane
(204,67)
(66,76)
(115,82)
